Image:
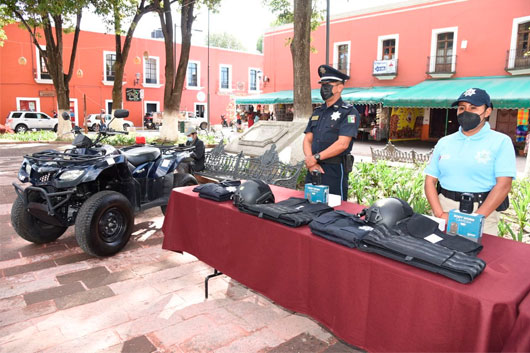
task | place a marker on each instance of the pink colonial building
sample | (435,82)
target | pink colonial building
(25,84)
(409,61)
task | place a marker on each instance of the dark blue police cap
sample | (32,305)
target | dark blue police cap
(475,96)
(329,74)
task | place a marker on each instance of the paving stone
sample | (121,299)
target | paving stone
(35,343)
(12,303)
(22,314)
(152,242)
(82,275)
(72,258)
(293,325)
(32,285)
(139,344)
(87,344)
(39,249)
(85,297)
(301,343)
(105,279)
(154,267)
(184,330)
(17,331)
(216,337)
(256,342)
(39,265)
(53,292)
(340,347)
(148,323)
(8,252)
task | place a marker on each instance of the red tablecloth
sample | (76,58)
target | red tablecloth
(369,301)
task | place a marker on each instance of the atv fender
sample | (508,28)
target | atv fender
(182,179)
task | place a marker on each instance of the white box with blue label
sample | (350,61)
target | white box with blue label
(468,225)
(316,193)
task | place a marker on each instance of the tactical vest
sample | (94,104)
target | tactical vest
(340,227)
(216,192)
(293,212)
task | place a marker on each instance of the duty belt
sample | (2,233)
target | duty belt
(457,196)
(333,160)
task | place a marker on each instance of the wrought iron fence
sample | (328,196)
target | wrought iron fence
(517,59)
(441,64)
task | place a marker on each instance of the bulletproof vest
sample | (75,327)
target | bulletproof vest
(293,212)
(421,253)
(216,192)
(340,227)
(421,227)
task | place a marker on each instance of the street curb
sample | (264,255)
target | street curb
(5,142)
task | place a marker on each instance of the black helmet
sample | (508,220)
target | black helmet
(252,192)
(388,211)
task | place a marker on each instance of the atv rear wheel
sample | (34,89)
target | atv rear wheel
(104,223)
(188,180)
(31,228)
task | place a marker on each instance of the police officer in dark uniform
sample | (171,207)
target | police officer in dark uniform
(330,133)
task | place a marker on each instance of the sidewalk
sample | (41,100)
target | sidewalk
(55,298)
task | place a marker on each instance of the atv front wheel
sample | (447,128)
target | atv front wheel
(104,223)
(31,228)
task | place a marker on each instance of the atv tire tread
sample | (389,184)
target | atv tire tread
(85,234)
(27,228)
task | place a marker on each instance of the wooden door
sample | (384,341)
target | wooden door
(507,122)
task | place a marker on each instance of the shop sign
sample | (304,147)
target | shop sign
(47,93)
(382,67)
(133,94)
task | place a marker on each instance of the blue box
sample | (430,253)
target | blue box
(316,193)
(467,225)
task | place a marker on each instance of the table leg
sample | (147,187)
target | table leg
(214,274)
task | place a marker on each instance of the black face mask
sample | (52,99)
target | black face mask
(326,91)
(468,121)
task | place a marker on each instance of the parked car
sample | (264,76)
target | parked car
(195,121)
(92,122)
(22,121)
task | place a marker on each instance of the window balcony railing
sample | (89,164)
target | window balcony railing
(518,61)
(441,65)
(385,69)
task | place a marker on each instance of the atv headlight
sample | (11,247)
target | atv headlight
(28,169)
(70,175)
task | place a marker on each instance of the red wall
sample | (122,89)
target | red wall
(18,80)
(485,24)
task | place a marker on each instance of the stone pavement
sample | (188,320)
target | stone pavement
(55,298)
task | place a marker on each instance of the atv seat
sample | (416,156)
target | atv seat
(139,155)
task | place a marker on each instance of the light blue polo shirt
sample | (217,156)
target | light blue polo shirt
(472,163)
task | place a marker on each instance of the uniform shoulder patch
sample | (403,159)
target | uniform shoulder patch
(347,106)
(352,119)
(315,117)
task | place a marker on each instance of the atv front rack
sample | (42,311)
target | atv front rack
(62,158)
(23,193)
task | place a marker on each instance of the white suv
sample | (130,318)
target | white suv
(92,122)
(22,121)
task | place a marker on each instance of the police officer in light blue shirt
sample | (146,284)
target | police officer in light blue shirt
(330,133)
(475,160)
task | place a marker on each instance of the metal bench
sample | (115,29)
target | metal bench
(391,153)
(220,165)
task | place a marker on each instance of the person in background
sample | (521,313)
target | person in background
(475,159)
(250,116)
(55,114)
(102,122)
(197,156)
(330,133)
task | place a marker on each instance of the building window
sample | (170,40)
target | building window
(225,77)
(389,49)
(341,57)
(193,74)
(151,70)
(44,73)
(253,78)
(522,52)
(110,60)
(442,62)
(444,52)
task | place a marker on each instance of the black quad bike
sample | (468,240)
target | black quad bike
(96,188)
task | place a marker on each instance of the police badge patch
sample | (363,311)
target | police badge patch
(351,119)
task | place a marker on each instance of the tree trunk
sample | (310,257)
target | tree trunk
(300,49)
(174,84)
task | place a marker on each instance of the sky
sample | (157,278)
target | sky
(245,19)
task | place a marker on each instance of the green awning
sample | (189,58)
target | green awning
(285,97)
(506,92)
(372,95)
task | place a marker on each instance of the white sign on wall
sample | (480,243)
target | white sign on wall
(201,96)
(385,67)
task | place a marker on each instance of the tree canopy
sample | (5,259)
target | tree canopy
(225,40)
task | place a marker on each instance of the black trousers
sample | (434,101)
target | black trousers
(335,177)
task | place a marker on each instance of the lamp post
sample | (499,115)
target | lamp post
(327,32)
